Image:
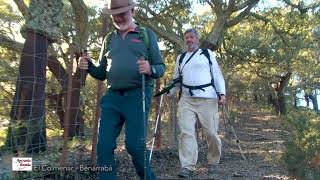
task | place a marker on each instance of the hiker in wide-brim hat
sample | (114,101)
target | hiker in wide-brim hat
(130,60)
(119,6)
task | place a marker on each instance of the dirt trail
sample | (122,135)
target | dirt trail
(261,139)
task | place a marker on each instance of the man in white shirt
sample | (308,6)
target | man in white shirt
(203,87)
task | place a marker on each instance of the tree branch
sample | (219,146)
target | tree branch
(81,21)
(300,6)
(10,44)
(275,28)
(284,80)
(22,7)
(149,10)
(232,4)
(54,65)
(245,4)
(259,73)
(217,6)
(57,70)
(242,15)
(170,36)
(212,6)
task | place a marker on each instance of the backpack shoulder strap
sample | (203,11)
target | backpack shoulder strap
(206,53)
(181,58)
(145,37)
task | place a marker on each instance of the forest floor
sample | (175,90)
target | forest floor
(261,136)
(262,141)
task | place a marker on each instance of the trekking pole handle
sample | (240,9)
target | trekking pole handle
(84,52)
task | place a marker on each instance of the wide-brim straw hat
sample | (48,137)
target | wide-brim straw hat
(119,6)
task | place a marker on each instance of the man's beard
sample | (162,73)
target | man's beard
(192,46)
(122,26)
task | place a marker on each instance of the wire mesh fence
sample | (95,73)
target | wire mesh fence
(33,127)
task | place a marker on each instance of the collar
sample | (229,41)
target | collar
(136,29)
(194,51)
(132,30)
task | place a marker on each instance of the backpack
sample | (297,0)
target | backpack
(179,78)
(206,53)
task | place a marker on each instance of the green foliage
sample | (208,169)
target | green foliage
(304,127)
(6,12)
(54,132)
(3,134)
(8,70)
(257,52)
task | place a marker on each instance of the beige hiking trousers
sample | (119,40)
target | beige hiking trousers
(206,111)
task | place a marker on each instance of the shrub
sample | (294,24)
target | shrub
(304,146)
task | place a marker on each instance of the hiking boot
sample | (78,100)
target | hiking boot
(213,169)
(184,173)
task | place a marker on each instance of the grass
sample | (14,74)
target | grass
(54,132)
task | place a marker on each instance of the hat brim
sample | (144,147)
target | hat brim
(119,10)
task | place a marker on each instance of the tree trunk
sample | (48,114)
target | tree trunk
(306,98)
(55,102)
(78,80)
(27,132)
(216,35)
(283,106)
(295,100)
(314,102)
(283,109)
(276,105)
(57,99)
(76,121)
(279,101)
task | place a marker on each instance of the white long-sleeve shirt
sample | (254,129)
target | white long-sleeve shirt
(197,72)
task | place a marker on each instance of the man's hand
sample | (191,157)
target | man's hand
(144,66)
(222,100)
(83,62)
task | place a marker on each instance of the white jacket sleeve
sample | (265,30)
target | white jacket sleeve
(217,74)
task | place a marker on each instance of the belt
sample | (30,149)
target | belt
(122,91)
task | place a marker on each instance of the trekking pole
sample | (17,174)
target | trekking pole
(233,131)
(156,128)
(143,84)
